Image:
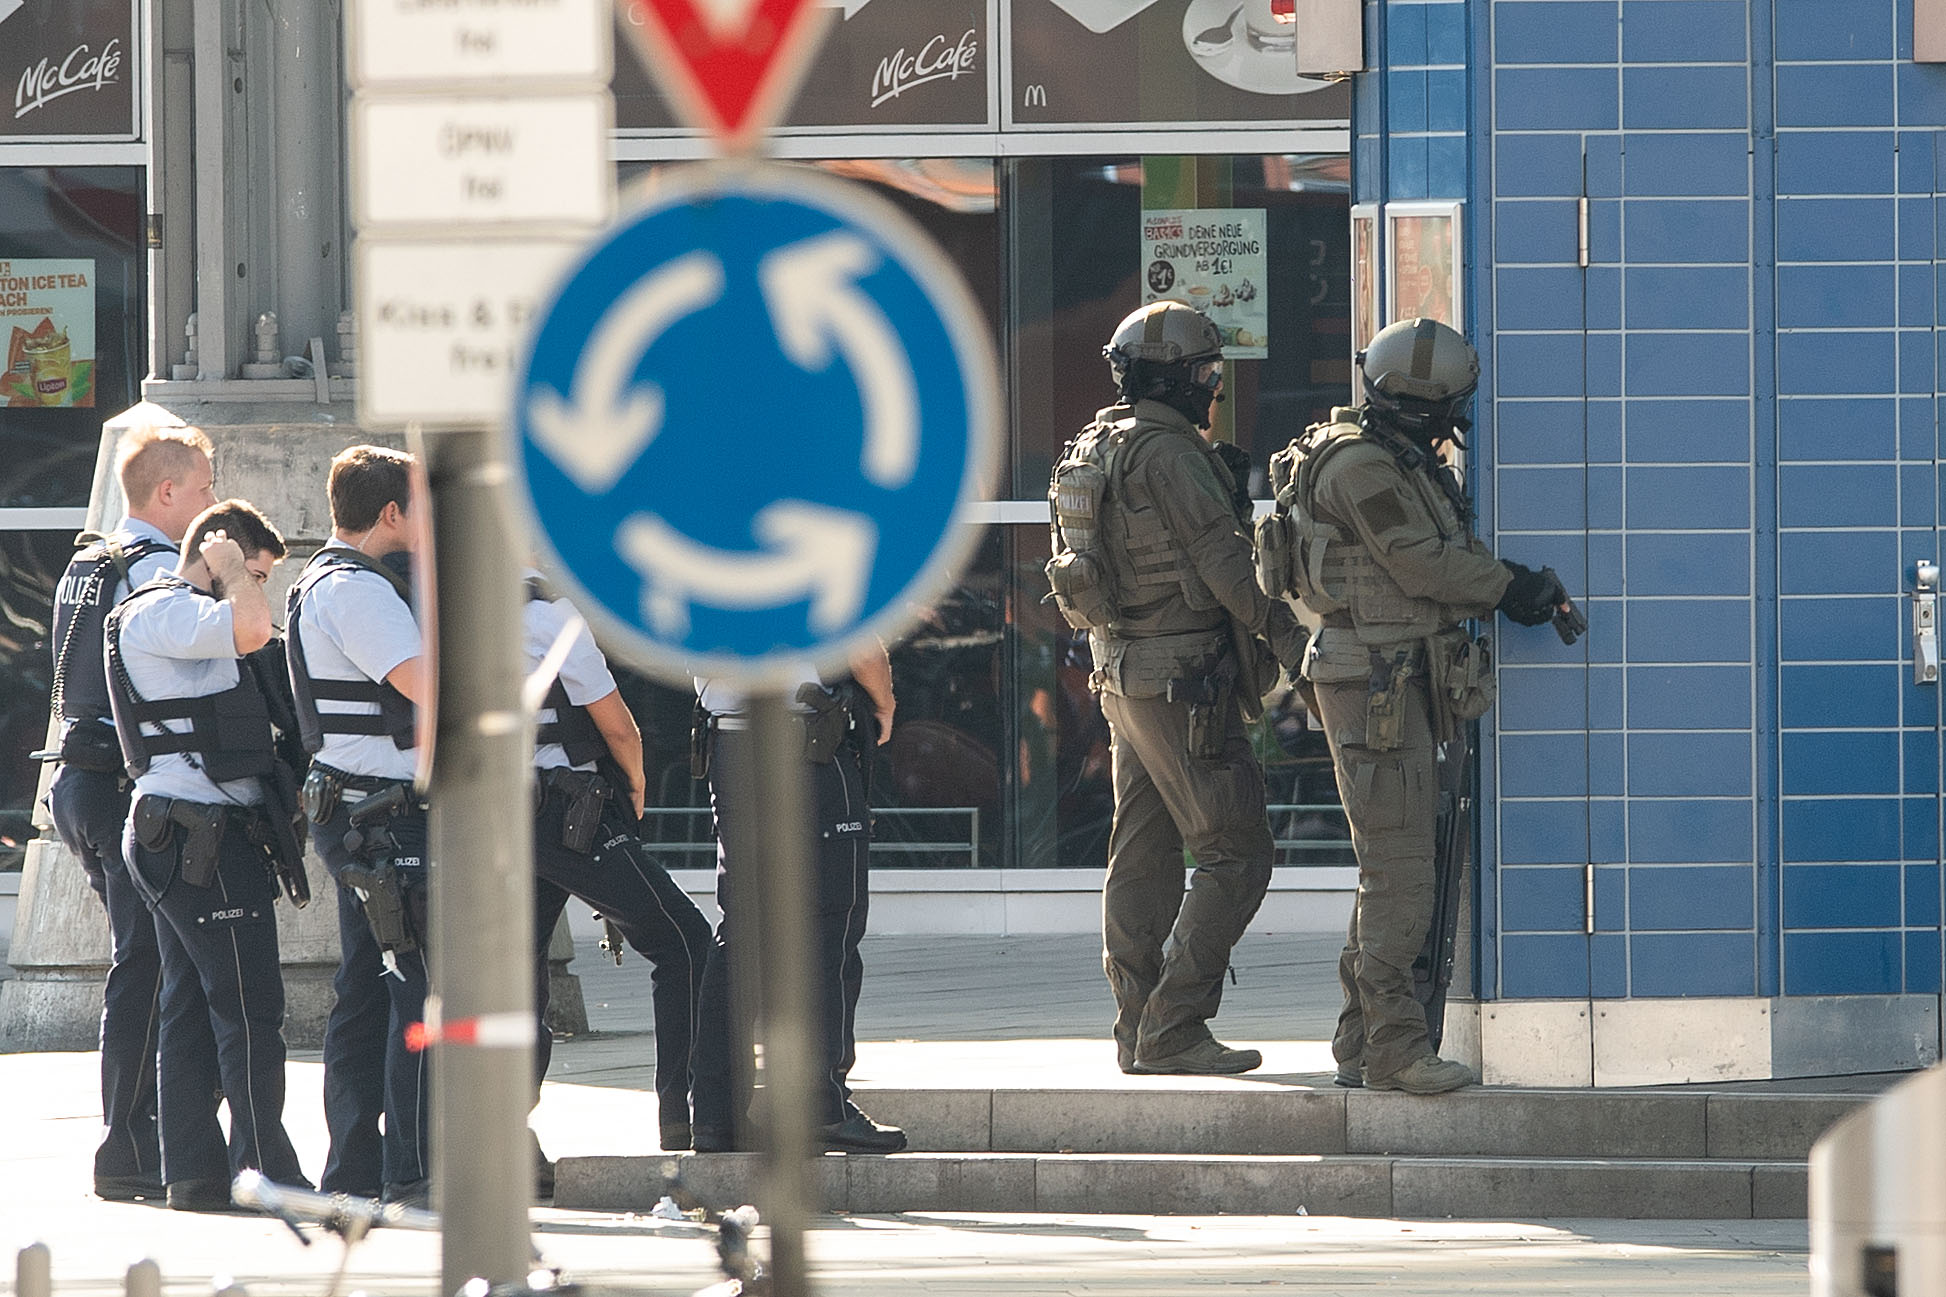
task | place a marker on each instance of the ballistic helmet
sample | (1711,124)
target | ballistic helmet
(1169,352)
(1419,373)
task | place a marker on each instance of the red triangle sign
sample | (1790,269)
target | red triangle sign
(732,80)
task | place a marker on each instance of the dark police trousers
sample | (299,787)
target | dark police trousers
(368,1071)
(841,836)
(634,892)
(221,1035)
(90,809)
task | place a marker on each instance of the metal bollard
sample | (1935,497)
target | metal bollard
(34,1272)
(144,1280)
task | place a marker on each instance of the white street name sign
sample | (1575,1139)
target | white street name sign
(471,159)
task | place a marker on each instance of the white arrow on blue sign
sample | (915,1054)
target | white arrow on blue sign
(751,422)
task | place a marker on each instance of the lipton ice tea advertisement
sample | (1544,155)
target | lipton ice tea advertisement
(47,321)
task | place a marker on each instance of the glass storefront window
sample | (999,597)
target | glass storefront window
(71,324)
(999,757)
(31,563)
(1078,264)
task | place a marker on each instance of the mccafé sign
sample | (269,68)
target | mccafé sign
(68,70)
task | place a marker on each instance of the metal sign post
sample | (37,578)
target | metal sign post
(479,163)
(749,426)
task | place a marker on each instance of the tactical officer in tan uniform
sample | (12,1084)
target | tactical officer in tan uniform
(1383,552)
(1151,556)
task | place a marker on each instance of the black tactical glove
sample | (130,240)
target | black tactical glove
(1531,596)
(1237,460)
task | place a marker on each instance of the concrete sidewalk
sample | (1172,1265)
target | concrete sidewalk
(1008,1011)
(50,1127)
(937,1012)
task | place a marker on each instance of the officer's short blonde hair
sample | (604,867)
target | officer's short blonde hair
(150,456)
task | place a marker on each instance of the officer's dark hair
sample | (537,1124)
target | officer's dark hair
(364,479)
(242,522)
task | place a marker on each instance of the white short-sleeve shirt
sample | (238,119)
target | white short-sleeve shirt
(584,673)
(180,642)
(354,626)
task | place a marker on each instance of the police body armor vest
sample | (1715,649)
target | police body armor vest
(81,604)
(571,727)
(1110,562)
(395,718)
(230,732)
(1325,564)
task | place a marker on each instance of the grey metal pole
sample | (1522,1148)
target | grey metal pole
(144,1280)
(482,871)
(787,1194)
(34,1272)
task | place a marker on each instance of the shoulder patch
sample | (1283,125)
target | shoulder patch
(1382,509)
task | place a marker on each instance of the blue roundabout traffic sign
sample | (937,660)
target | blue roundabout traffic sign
(751,422)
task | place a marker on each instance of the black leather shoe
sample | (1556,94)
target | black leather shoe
(200,1195)
(129,1188)
(543,1172)
(711,1139)
(414,1193)
(675,1136)
(860,1134)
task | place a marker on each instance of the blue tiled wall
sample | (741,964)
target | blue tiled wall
(1722,433)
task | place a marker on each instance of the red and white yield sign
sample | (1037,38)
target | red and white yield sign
(729,66)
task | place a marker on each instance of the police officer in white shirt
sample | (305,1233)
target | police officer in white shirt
(357,671)
(588,760)
(839,728)
(166,480)
(195,731)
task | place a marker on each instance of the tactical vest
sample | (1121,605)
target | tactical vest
(1325,564)
(1111,563)
(395,718)
(229,734)
(571,727)
(81,604)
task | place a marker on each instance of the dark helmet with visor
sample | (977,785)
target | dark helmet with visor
(1420,374)
(1168,352)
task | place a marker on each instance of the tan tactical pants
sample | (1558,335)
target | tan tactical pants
(1392,800)
(1167,801)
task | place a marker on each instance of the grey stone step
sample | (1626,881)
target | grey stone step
(1338,1185)
(1229,1119)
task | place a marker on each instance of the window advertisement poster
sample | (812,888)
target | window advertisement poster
(1162,62)
(1422,271)
(68,70)
(1214,259)
(892,63)
(47,317)
(1364,286)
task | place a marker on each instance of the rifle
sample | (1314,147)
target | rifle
(282,806)
(1432,970)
